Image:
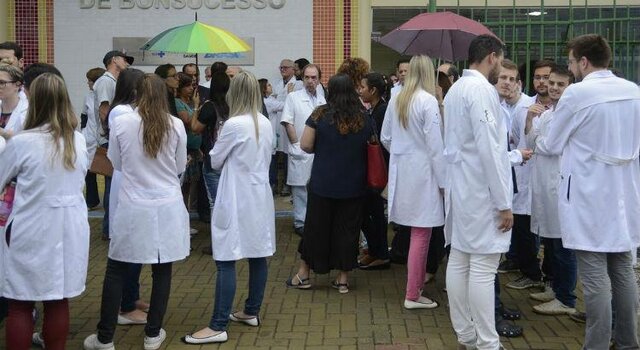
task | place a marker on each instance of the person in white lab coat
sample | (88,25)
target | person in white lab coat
(297,108)
(149,147)
(13,104)
(241,228)
(281,89)
(478,196)
(596,129)
(274,107)
(91,134)
(402,68)
(411,134)
(560,299)
(131,308)
(45,259)
(526,243)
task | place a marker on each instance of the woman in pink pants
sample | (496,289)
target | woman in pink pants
(411,133)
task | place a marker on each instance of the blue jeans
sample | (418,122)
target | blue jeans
(211,178)
(226,289)
(565,269)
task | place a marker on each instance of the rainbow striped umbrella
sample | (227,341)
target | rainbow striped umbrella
(196,37)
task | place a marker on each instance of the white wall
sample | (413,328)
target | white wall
(83,36)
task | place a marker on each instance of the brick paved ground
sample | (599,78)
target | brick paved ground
(371,316)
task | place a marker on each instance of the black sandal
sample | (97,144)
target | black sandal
(510,314)
(507,329)
(301,283)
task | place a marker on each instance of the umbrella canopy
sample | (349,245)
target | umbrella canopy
(196,37)
(444,35)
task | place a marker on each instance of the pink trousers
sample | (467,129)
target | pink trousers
(417,261)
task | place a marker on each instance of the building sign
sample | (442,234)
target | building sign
(155,58)
(183,4)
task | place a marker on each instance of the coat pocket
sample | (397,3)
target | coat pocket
(222,216)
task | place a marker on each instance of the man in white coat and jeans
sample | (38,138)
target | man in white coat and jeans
(596,129)
(297,109)
(478,196)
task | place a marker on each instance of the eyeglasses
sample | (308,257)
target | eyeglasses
(285,67)
(4,83)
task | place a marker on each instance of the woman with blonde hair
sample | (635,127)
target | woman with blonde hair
(46,249)
(148,146)
(240,228)
(411,133)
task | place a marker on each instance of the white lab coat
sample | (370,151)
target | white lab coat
(521,199)
(3,144)
(416,164)
(479,182)
(545,176)
(596,128)
(274,108)
(116,177)
(297,109)
(243,218)
(49,248)
(18,116)
(151,223)
(280,92)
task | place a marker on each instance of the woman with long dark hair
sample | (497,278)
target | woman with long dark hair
(337,134)
(132,309)
(374,225)
(46,248)
(149,147)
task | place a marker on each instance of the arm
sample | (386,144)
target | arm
(104,111)
(113,153)
(291,132)
(181,151)
(488,137)
(563,124)
(10,166)
(386,132)
(287,119)
(433,138)
(225,144)
(308,139)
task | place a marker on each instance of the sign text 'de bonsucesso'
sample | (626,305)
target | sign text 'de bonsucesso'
(183,4)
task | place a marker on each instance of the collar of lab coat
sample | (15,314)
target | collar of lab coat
(473,73)
(598,74)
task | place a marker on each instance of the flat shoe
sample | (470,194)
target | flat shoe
(218,338)
(507,329)
(253,321)
(126,321)
(421,303)
(342,288)
(302,283)
(378,264)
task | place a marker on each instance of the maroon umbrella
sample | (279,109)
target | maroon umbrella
(443,35)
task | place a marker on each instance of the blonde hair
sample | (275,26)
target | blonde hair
(153,109)
(49,104)
(421,76)
(244,97)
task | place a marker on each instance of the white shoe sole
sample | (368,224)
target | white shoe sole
(123,321)
(218,338)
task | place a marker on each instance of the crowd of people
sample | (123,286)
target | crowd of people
(477,169)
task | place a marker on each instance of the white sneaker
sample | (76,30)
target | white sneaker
(37,340)
(545,296)
(153,343)
(554,307)
(92,343)
(421,303)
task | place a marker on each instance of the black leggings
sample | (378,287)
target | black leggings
(112,293)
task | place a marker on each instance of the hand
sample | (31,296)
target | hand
(289,87)
(535,109)
(196,99)
(506,220)
(526,153)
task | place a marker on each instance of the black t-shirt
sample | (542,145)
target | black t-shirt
(209,117)
(340,164)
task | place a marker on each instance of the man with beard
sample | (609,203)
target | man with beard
(596,129)
(560,297)
(525,242)
(479,195)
